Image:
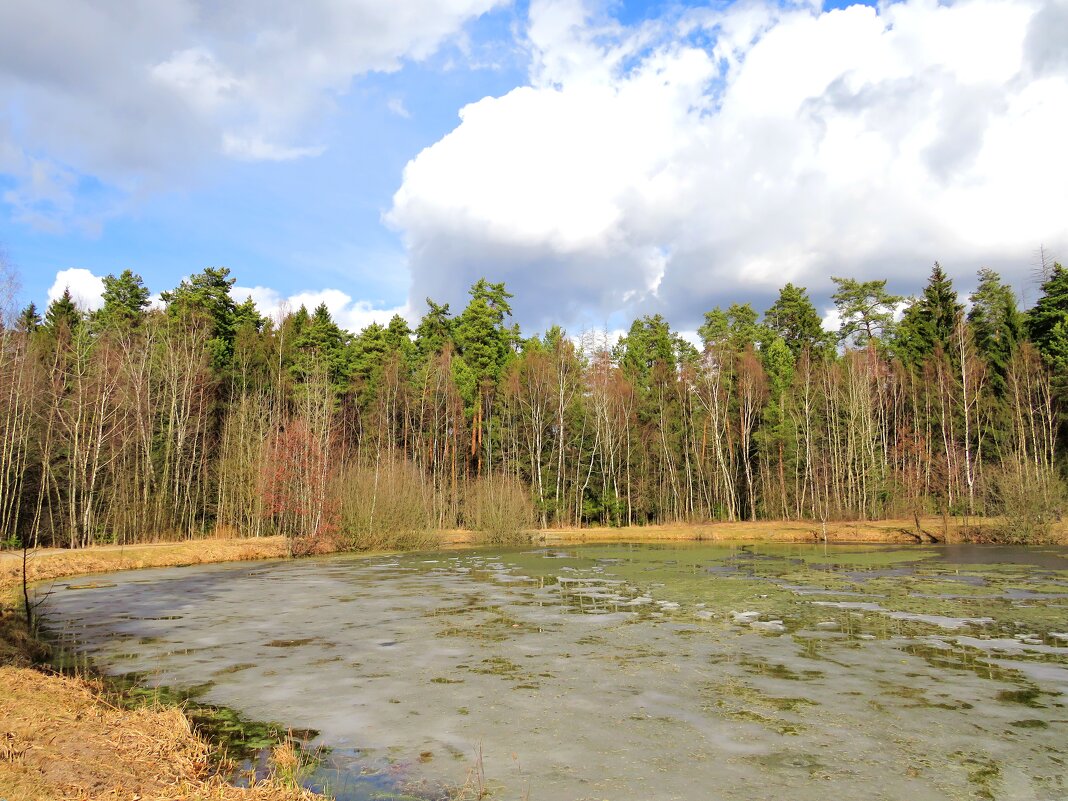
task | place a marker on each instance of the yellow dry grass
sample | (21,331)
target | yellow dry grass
(931,528)
(56,563)
(60,739)
(761,530)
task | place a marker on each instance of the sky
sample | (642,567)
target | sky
(604,159)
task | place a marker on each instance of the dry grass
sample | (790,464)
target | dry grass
(948,529)
(59,739)
(57,563)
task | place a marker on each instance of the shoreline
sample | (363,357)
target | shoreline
(56,563)
(77,738)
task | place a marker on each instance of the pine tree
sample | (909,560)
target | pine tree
(485,345)
(481,335)
(125,299)
(774,437)
(734,328)
(866,310)
(207,295)
(434,331)
(399,339)
(795,319)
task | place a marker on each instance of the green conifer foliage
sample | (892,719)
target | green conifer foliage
(1047,323)
(929,321)
(28,320)
(793,318)
(125,300)
(207,296)
(648,343)
(996,323)
(483,339)
(435,329)
(866,310)
(62,314)
(321,341)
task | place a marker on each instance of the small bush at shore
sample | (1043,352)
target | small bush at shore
(499,510)
(384,507)
(1030,501)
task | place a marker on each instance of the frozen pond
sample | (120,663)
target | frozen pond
(623,671)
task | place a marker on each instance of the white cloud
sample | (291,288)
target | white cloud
(396,106)
(144,93)
(352,315)
(86,289)
(256,149)
(643,169)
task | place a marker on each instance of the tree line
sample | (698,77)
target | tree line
(133,423)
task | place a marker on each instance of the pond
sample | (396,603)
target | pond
(621,672)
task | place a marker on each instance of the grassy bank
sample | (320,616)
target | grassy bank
(66,738)
(57,563)
(54,563)
(61,739)
(928,529)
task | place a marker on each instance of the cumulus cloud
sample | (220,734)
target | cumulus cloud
(86,289)
(352,315)
(718,154)
(135,94)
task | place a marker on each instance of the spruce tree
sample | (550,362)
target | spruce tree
(1047,323)
(28,320)
(321,341)
(247,316)
(62,314)
(648,343)
(997,325)
(929,321)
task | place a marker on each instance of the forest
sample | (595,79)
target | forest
(140,421)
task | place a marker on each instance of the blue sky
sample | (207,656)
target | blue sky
(628,157)
(291,225)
